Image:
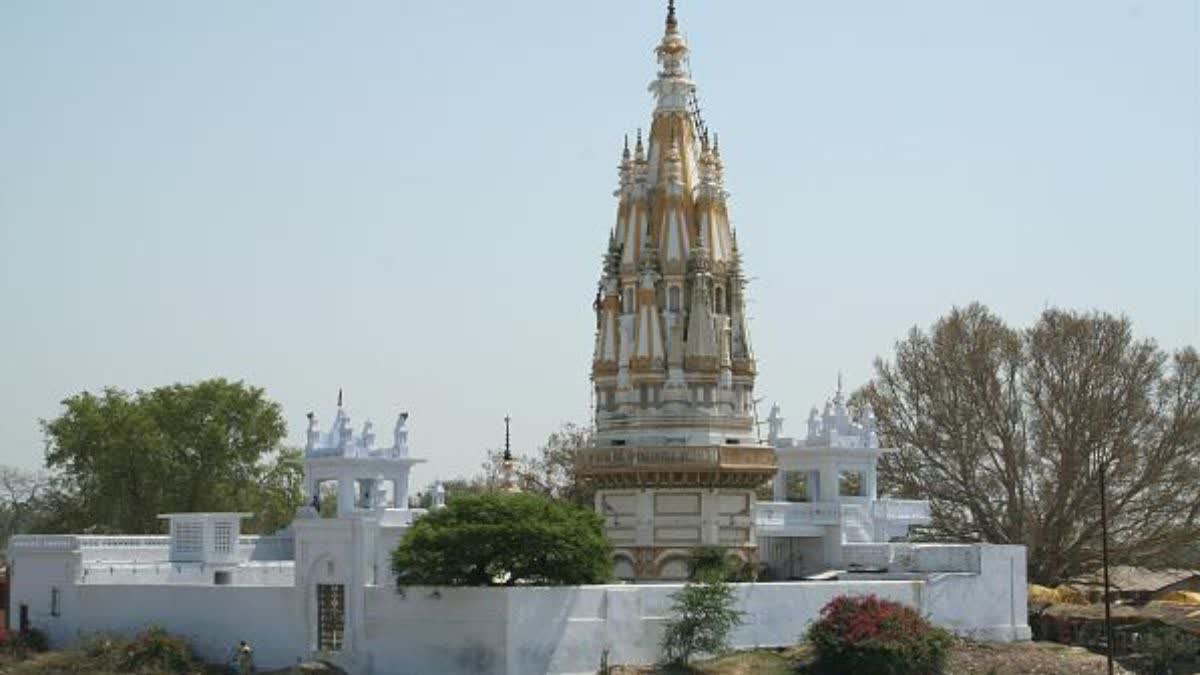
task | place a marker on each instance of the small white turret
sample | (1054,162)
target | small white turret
(814,423)
(774,425)
(314,433)
(367,439)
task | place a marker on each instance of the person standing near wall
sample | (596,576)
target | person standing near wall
(245,658)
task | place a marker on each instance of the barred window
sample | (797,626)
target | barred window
(223,537)
(189,537)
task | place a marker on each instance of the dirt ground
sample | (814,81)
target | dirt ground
(1025,658)
(968,658)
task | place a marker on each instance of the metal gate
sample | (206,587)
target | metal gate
(331,616)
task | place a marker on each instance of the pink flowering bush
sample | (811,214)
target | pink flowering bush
(155,649)
(871,635)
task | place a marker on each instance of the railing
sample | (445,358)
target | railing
(924,558)
(782,515)
(74,542)
(681,458)
(250,547)
(267,548)
(44,542)
(274,573)
(902,510)
(94,541)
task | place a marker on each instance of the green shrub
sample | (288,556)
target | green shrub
(1167,646)
(504,539)
(23,643)
(703,616)
(870,635)
(708,563)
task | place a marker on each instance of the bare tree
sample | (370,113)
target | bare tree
(550,471)
(1005,430)
(21,491)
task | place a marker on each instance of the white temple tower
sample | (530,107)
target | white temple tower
(676,457)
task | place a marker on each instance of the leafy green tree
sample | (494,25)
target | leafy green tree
(123,458)
(703,616)
(502,538)
(1005,431)
(279,490)
(329,500)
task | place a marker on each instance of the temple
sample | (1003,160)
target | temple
(677,463)
(676,458)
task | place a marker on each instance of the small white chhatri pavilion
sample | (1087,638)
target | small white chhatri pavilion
(366,476)
(825,494)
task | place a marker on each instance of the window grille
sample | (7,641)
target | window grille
(189,537)
(223,537)
(331,616)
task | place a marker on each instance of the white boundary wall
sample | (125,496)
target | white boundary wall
(507,631)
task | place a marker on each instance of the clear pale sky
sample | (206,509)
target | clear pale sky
(410,200)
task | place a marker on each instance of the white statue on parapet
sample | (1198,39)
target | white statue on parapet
(367,439)
(774,425)
(400,436)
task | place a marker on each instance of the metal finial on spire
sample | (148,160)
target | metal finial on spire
(507,439)
(671,22)
(339,397)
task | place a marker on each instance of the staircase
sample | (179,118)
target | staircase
(856,525)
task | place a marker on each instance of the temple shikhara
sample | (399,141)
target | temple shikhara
(677,457)
(677,463)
